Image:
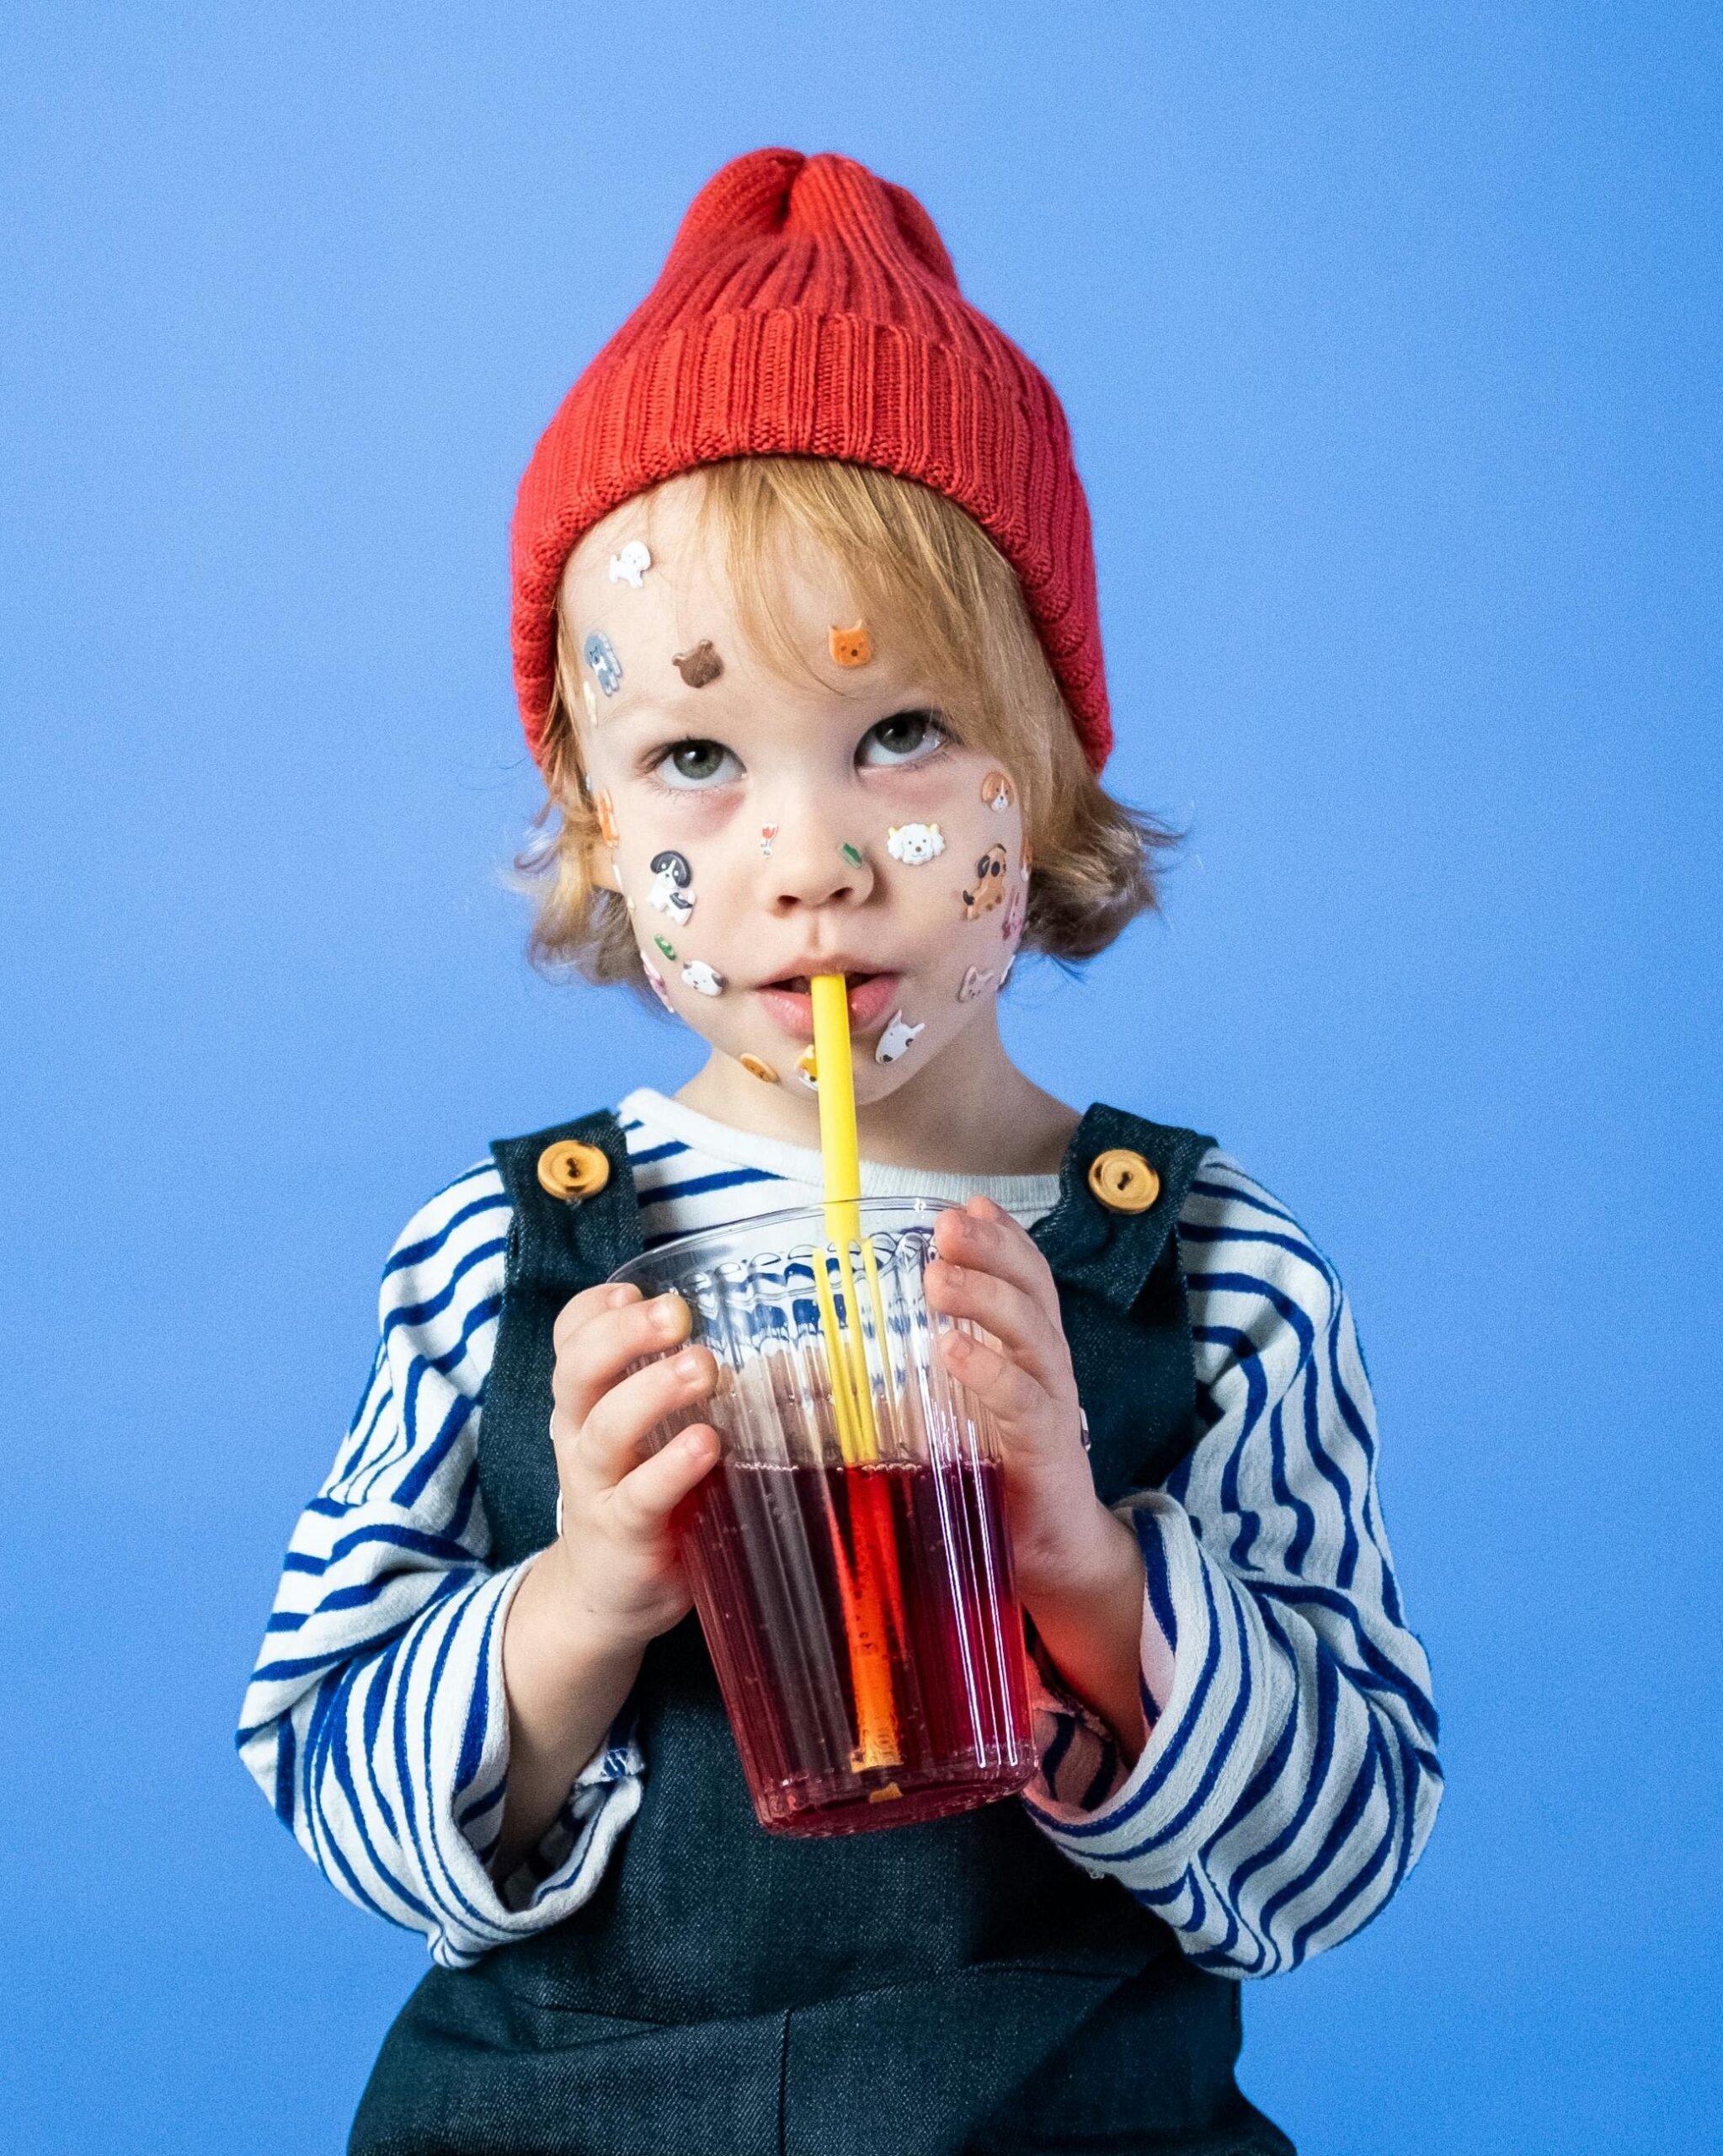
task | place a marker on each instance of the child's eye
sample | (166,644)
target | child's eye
(907,737)
(686,763)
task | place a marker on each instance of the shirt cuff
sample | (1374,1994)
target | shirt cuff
(1082,1766)
(1205,1721)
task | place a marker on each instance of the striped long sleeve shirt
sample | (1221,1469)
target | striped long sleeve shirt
(1290,1780)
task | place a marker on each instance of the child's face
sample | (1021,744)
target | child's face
(763,829)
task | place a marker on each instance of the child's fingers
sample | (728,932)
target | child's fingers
(1014,1317)
(984,1236)
(607,1446)
(643,1500)
(1018,1400)
(600,1333)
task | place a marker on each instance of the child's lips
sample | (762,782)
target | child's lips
(872,998)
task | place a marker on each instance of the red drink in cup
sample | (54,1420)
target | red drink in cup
(860,1613)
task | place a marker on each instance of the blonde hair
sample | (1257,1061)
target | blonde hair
(925,573)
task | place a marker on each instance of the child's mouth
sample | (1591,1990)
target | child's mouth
(872,998)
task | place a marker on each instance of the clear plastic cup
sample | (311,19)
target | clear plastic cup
(854,1584)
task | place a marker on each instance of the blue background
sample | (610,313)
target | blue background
(1389,337)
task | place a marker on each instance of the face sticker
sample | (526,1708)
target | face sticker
(756,1066)
(655,982)
(997,792)
(1005,971)
(974,980)
(606,811)
(589,696)
(600,656)
(896,1038)
(1011,927)
(668,947)
(703,978)
(914,843)
(670,879)
(699,666)
(807,1069)
(850,647)
(630,564)
(768,832)
(990,884)
(853,854)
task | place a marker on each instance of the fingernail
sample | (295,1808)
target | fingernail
(617,1297)
(691,1364)
(667,1317)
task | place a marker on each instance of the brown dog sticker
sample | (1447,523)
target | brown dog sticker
(990,884)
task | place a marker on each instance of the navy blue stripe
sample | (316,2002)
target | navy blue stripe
(699,1186)
(495,1201)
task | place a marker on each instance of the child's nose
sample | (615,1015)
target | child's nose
(809,861)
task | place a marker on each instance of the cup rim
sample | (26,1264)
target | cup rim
(678,1245)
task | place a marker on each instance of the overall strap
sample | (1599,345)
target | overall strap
(558,1245)
(1111,1243)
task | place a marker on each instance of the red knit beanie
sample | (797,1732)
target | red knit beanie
(809,309)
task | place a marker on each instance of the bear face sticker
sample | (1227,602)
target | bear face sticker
(670,879)
(699,666)
(988,889)
(898,1037)
(704,979)
(997,792)
(913,844)
(850,646)
(630,564)
(600,656)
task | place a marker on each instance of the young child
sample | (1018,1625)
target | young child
(807,648)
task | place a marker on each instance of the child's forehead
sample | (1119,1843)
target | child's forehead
(659,549)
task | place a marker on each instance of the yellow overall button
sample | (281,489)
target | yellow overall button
(1123,1181)
(571,1169)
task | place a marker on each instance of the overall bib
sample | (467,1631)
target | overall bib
(921,1990)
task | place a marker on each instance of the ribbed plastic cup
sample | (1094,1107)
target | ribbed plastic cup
(860,1611)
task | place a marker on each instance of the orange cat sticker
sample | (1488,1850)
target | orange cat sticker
(850,647)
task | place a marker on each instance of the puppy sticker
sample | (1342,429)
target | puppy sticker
(896,1038)
(990,884)
(703,978)
(914,843)
(630,564)
(670,879)
(997,792)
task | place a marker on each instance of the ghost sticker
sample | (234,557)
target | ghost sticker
(655,982)
(850,647)
(996,791)
(1011,927)
(630,564)
(600,656)
(670,879)
(699,666)
(896,1037)
(606,811)
(990,884)
(756,1066)
(702,977)
(808,1070)
(914,843)
(974,980)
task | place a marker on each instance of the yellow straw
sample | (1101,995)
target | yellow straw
(852,1392)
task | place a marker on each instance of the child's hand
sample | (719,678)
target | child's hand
(621,1579)
(989,1269)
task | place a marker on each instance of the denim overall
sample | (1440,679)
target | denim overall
(921,1990)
